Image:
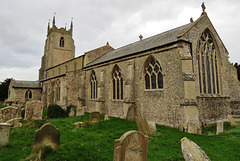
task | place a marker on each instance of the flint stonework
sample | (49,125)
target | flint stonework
(192,152)
(47,135)
(131,146)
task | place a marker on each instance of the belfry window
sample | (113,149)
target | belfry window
(153,74)
(61,44)
(93,82)
(208,64)
(117,83)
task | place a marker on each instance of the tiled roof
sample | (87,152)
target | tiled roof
(26,84)
(142,45)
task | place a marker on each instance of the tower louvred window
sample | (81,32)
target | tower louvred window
(61,42)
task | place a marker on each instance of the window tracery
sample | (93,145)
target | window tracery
(93,82)
(208,64)
(117,84)
(153,74)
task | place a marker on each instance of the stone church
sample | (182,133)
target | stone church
(178,78)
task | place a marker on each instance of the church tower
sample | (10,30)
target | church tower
(59,47)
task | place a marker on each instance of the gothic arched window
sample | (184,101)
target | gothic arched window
(153,74)
(93,81)
(117,83)
(208,64)
(28,94)
(61,44)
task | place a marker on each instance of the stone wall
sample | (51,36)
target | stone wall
(212,109)
(235,107)
(9,113)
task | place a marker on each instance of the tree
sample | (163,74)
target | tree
(4,89)
(237,66)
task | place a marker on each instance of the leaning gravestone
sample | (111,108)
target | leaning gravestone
(192,152)
(94,116)
(33,110)
(152,127)
(4,133)
(231,120)
(142,125)
(132,146)
(219,126)
(47,135)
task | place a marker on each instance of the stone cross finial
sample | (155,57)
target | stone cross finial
(203,7)
(141,37)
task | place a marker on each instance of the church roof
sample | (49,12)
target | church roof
(142,45)
(26,84)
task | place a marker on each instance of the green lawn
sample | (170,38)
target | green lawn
(97,142)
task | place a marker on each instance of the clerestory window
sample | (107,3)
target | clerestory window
(153,74)
(208,64)
(93,82)
(117,83)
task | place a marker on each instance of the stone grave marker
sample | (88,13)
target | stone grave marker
(80,111)
(131,146)
(106,118)
(131,113)
(16,122)
(142,124)
(192,152)
(220,126)
(8,113)
(152,127)
(33,110)
(4,133)
(47,135)
(94,116)
(231,120)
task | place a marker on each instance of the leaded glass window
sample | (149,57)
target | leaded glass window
(208,63)
(117,84)
(93,82)
(153,74)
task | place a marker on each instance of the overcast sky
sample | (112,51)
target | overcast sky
(24,26)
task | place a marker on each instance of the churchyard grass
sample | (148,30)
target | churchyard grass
(97,141)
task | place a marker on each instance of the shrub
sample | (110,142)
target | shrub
(55,111)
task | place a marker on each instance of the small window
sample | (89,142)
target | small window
(153,74)
(66,68)
(61,42)
(117,84)
(28,94)
(93,82)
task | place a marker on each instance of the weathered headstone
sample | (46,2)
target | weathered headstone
(192,127)
(4,133)
(106,118)
(47,135)
(80,111)
(142,125)
(131,113)
(231,120)
(33,110)
(152,127)
(192,152)
(131,146)
(94,116)
(16,122)
(220,126)
(8,113)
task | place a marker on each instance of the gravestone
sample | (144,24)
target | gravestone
(142,124)
(131,113)
(152,127)
(47,135)
(220,126)
(80,111)
(131,146)
(231,120)
(33,110)
(94,116)
(4,133)
(192,152)
(106,118)
(16,122)
(8,113)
